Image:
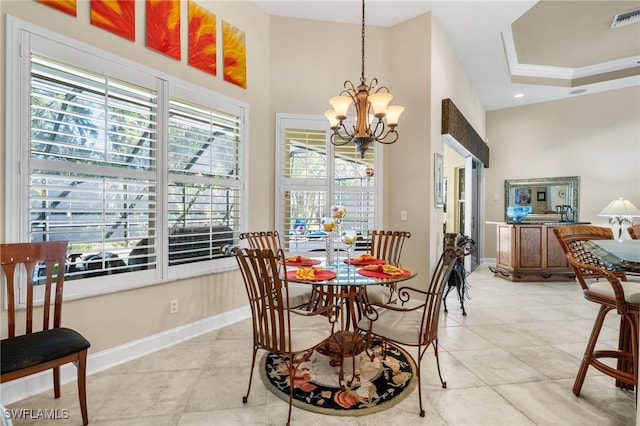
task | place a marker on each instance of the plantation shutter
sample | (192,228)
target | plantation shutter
(93,168)
(205,190)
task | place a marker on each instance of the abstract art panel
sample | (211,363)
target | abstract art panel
(116,16)
(163,26)
(235,55)
(202,39)
(66,6)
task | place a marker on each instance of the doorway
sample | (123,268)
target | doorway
(463,173)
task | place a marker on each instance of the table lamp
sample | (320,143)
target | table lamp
(620,211)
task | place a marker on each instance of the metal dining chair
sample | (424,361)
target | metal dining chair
(414,320)
(386,245)
(277,328)
(301,295)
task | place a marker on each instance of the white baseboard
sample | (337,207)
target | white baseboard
(37,383)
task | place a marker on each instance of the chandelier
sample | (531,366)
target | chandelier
(365,97)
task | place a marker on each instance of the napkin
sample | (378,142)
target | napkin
(307,274)
(298,259)
(386,268)
(365,257)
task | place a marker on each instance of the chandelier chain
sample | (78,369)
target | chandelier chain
(362,79)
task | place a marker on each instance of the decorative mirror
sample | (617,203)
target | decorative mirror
(550,199)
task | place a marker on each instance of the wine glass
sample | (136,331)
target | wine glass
(349,237)
(338,212)
(328,225)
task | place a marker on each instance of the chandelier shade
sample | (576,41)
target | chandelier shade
(376,120)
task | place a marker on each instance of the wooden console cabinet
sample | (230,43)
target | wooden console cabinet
(530,252)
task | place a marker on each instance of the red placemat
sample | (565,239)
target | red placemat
(365,262)
(322,275)
(303,262)
(380,274)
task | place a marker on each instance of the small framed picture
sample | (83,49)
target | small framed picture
(439,181)
(523,196)
(542,196)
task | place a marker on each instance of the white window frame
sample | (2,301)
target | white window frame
(316,122)
(20,37)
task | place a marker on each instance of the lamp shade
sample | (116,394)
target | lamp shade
(393,114)
(620,207)
(331,115)
(340,105)
(379,102)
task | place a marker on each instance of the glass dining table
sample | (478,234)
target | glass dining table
(345,285)
(623,255)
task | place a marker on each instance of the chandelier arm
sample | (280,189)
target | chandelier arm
(342,133)
(378,130)
(339,142)
(389,132)
(349,89)
(373,87)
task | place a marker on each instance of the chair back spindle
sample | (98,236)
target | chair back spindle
(388,245)
(41,263)
(262,239)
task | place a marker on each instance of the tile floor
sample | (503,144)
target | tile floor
(511,361)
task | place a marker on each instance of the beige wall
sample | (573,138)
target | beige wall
(118,318)
(407,182)
(596,137)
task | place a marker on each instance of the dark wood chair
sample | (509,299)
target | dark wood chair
(634,231)
(413,321)
(289,332)
(612,292)
(27,351)
(386,245)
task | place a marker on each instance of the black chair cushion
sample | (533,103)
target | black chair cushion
(42,346)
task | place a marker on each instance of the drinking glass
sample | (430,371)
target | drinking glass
(349,238)
(328,225)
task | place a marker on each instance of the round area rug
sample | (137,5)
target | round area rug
(378,384)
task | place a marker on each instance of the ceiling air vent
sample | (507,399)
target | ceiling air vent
(626,18)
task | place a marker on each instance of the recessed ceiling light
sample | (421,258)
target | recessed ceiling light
(518,95)
(577,91)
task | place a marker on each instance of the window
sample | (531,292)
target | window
(316,175)
(140,172)
(204,189)
(92,166)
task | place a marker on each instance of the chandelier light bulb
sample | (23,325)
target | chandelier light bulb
(379,102)
(393,115)
(340,105)
(331,116)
